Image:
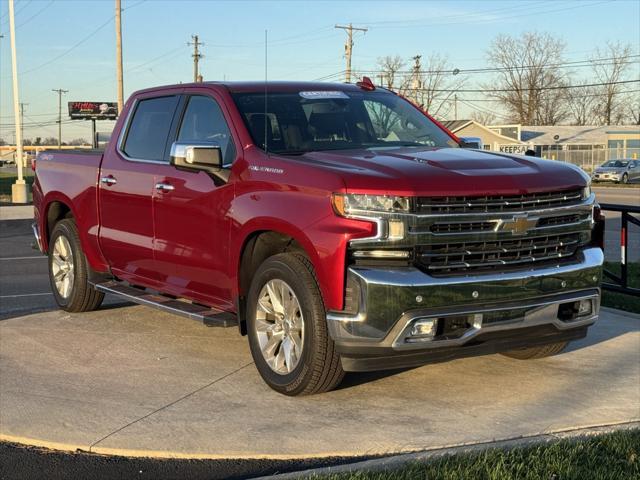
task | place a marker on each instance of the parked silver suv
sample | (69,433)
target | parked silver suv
(619,171)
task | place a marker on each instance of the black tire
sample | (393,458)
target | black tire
(542,351)
(319,368)
(82,297)
(625,178)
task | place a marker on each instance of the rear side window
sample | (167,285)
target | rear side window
(149,128)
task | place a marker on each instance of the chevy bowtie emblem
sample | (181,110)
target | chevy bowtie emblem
(519,224)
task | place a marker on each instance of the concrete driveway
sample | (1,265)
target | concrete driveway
(133,381)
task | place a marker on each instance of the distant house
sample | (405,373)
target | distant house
(586,146)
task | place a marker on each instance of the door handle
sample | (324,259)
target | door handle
(108,180)
(164,187)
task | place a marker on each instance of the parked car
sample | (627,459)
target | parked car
(338,226)
(619,171)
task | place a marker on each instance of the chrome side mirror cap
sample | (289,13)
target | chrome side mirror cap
(197,156)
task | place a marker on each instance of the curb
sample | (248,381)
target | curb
(395,462)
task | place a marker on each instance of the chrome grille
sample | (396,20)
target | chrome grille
(501,203)
(472,256)
(463,227)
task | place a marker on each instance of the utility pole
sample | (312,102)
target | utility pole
(119,56)
(416,80)
(18,189)
(455,106)
(196,57)
(59,92)
(22,105)
(348,46)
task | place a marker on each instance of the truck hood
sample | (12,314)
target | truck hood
(445,171)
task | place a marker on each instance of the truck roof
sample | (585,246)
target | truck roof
(258,86)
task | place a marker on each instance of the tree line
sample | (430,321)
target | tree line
(530,83)
(48,141)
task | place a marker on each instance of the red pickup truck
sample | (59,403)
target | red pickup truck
(339,226)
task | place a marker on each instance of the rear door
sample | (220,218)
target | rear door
(191,210)
(127,185)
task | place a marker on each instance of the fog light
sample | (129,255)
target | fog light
(396,230)
(584,307)
(424,328)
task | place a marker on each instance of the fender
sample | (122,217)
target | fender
(86,221)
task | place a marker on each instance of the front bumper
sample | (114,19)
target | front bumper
(506,310)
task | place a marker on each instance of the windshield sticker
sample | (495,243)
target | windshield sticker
(324,94)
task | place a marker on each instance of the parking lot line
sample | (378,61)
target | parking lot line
(26,295)
(22,258)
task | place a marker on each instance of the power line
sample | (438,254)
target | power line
(534,89)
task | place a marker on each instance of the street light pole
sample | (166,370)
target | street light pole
(18,189)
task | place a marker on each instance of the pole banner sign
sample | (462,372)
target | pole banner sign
(93,110)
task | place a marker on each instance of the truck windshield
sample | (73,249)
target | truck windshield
(305,121)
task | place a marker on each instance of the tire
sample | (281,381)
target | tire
(625,178)
(71,290)
(317,367)
(542,351)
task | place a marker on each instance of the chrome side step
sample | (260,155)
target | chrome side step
(210,317)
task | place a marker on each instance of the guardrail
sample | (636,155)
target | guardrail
(622,282)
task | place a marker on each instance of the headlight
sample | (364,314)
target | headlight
(351,203)
(586,192)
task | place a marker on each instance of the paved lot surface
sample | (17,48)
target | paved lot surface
(135,381)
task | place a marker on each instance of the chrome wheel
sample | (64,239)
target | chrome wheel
(62,266)
(279,326)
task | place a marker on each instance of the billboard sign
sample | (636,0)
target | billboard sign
(93,110)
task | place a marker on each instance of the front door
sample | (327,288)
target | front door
(190,212)
(126,189)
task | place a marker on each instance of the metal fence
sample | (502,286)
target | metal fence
(621,282)
(588,160)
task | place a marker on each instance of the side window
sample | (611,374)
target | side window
(203,122)
(149,128)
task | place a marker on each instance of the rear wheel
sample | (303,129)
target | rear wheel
(287,328)
(542,351)
(68,270)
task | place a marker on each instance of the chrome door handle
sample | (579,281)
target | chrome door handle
(164,187)
(108,180)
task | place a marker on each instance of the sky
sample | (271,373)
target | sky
(70,44)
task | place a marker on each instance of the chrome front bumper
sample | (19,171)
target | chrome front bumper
(389,300)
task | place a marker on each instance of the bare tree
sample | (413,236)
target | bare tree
(581,103)
(483,118)
(528,77)
(634,111)
(389,67)
(610,106)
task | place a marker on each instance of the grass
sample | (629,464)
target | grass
(610,456)
(620,300)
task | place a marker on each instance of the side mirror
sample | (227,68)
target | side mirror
(197,156)
(471,142)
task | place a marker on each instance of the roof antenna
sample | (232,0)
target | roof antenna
(266,138)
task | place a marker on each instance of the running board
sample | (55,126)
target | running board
(210,317)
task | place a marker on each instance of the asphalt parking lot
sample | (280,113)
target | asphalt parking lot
(130,380)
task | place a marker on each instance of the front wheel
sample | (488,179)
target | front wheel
(68,270)
(541,351)
(286,323)
(625,178)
